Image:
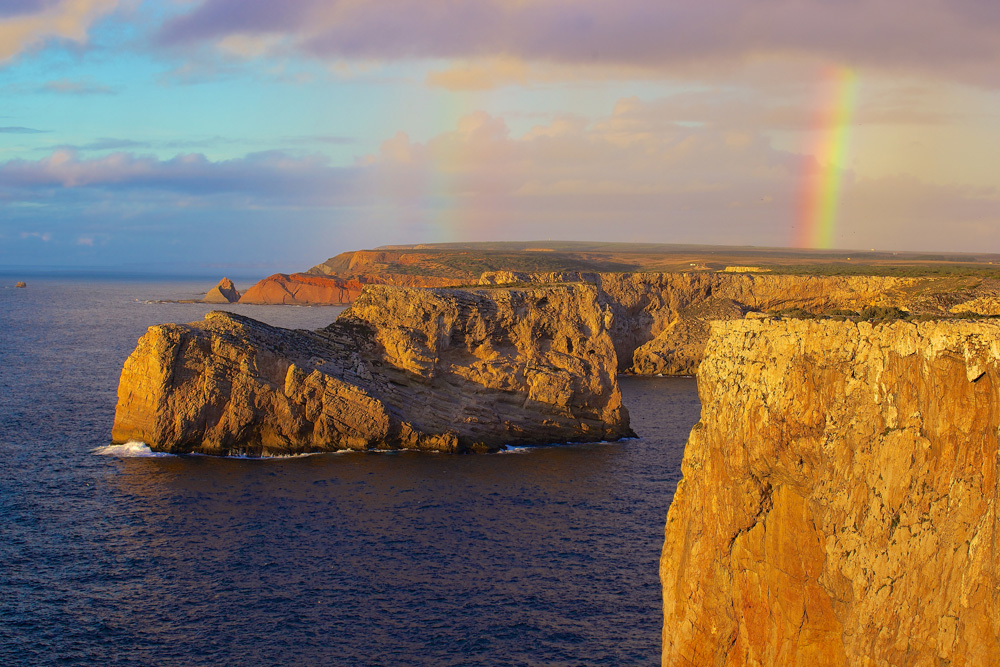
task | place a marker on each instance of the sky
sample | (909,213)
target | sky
(256,135)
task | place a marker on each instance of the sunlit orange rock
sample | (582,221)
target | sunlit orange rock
(224,292)
(442,369)
(839,499)
(308,289)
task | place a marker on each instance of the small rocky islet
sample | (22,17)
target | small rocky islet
(433,369)
(839,496)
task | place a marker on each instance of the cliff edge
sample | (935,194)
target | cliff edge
(839,499)
(439,369)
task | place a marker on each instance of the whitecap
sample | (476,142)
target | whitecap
(131,449)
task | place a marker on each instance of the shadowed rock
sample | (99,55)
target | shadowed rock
(440,369)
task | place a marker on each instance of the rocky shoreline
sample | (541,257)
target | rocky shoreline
(839,496)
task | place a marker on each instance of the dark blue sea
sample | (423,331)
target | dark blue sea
(544,556)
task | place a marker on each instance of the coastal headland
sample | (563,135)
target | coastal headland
(664,296)
(839,495)
(435,369)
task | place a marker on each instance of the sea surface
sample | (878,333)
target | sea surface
(541,556)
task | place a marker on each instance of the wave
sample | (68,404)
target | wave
(131,449)
(266,457)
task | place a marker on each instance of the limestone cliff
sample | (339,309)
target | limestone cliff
(441,369)
(839,500)
(662,319)
(224,292)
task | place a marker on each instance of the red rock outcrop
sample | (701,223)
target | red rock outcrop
(839,500)
(313,290)
(442,369)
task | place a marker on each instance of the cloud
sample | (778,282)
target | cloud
(492,73)
(71,87)
(30,23)
(20,7)
(267,179)
(644,173)
(20,130)
(940,35)
(45,237)
(660,170)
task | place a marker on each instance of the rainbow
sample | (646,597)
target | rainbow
(821,191)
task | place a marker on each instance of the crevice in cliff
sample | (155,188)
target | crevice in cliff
(764,506)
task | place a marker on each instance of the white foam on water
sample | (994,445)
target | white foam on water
(522,449)
(131,449)
(274,457)
(265,457)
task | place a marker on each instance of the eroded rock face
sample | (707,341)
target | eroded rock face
(839,500)
(224,292)
(439,369)
(679,348)
(987,305)
(661,320)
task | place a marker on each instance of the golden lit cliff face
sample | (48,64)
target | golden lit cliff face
(839,500)
(449,370)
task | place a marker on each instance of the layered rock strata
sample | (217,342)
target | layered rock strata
(437,369)
(662,319)
(839,500)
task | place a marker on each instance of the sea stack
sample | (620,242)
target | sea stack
(437,369)
(224,292)
(839,499)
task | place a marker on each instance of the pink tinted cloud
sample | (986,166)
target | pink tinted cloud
(923,34)
(635,174)
(639,174)
(26,24)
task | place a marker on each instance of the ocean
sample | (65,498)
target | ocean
(537,556)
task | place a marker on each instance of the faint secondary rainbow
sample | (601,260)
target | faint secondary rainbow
(821,195)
